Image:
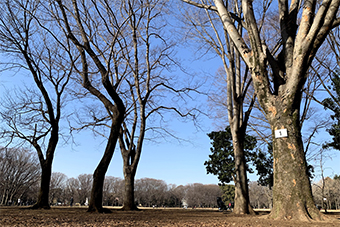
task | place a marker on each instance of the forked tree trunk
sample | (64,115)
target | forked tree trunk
(43,197)
(129,194)
(279,92)
(292,194)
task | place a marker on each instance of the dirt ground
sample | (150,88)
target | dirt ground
(66,216)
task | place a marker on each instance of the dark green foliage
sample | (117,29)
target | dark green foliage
(263,162)
(228,195)
(333,104)
(336,177)
(221,161)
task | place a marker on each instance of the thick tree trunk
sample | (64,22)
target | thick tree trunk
(43,197)
(241,202)
(129,195)
(96,199)
(292,194)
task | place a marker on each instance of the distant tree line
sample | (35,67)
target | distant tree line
(327,193)
(20,177)
(148,192)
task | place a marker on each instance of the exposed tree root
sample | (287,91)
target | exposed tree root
(303,216)
(99,210)
(37,206)
(134,208)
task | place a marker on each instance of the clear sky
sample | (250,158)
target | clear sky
(174,162)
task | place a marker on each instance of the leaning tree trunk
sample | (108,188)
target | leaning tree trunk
(129,195)
(292,194)
(43,197)
(241,201)
(96,200)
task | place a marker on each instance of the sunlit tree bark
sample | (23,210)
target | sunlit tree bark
(279,82)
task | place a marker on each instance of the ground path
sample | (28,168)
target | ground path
(66,216)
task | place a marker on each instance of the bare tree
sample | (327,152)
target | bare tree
(113,191)
(19,170)
(85,185)
(234,94)
(279,81)
(149,58)
(202,195)
(93,28)
(151,192)
(260,196)
(57,186)
(34,115)
(72,190)
(132,59)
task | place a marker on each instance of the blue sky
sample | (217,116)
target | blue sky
(171,161)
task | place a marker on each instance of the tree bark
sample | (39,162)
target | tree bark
(292,197)
(241,201)
(129,195)
(96,199)
(43,197)
(280,97)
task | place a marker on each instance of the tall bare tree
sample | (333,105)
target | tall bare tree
(131,51)
(93,28)
(279,81)
(236,98)
(33,115)
(149,58)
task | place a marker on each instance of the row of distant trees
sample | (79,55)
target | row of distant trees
(20,177)
(148,192)
(326,192)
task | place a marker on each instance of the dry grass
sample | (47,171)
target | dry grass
(77,216)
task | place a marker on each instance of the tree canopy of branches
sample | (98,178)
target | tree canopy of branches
(125,53)
(33,115)
(151,89)
(236,98)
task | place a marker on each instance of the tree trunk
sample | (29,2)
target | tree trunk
(96,199)
(292,194)
(241,202)
(129,195)
(43,197)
